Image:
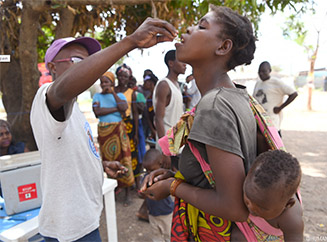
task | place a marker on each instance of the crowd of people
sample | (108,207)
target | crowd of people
(210,145)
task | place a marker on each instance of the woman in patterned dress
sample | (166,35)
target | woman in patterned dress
(114,143)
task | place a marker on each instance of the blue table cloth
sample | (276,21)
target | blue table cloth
(8,221)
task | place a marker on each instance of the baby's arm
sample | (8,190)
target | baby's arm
(291,223)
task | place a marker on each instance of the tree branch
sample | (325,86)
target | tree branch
(65,25)
(103,2)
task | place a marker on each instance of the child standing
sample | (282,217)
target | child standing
(270,194)
(160,211)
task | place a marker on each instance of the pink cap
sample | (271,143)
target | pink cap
(92,46)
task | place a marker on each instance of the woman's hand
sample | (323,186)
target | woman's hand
(159,190)
(110,90)
(155,176)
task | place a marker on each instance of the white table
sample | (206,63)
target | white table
(23,231)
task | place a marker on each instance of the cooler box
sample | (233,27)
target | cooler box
(20,181)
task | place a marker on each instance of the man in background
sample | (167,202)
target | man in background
(270,93)
(168,99)
(193,92)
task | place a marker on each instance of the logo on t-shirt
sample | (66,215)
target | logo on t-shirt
(263,96)
(92,147)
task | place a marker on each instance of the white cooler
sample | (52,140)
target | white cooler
(20,181)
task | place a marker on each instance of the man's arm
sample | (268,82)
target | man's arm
(135,119)
(162,97)
(288,101)
(82,75)
(163,94)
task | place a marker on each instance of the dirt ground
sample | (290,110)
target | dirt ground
(305,136)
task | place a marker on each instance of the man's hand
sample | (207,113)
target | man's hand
(114,169)
(153,31)
(277,110)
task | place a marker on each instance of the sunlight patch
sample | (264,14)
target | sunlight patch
(311,154)
(312,172)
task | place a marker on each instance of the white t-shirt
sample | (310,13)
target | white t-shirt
(194,92)
(174,110)
(71,172)
(270,94)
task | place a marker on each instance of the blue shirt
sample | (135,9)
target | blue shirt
(161,207)
(16,148)
(108,101)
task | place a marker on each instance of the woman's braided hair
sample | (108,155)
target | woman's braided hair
(239,30)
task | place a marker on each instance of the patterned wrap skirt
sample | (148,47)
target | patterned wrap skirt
(136,165)
(115,146)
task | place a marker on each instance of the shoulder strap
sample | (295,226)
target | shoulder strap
(266,126)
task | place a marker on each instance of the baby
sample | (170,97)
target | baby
(270,194)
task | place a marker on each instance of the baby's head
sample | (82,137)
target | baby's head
(271,183)
(152,160)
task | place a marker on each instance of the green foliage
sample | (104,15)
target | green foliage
(295,29)
(114,21)
(44,40)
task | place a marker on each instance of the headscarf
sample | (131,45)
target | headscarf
(110,75)
(152,78)
(124,68)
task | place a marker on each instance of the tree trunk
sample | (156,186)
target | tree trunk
(11,87)
(29,70)
(65,25)
(19,78)
(310,88)
(311,76)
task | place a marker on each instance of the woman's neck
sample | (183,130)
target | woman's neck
(211,73)
(122,88)
(207,81)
